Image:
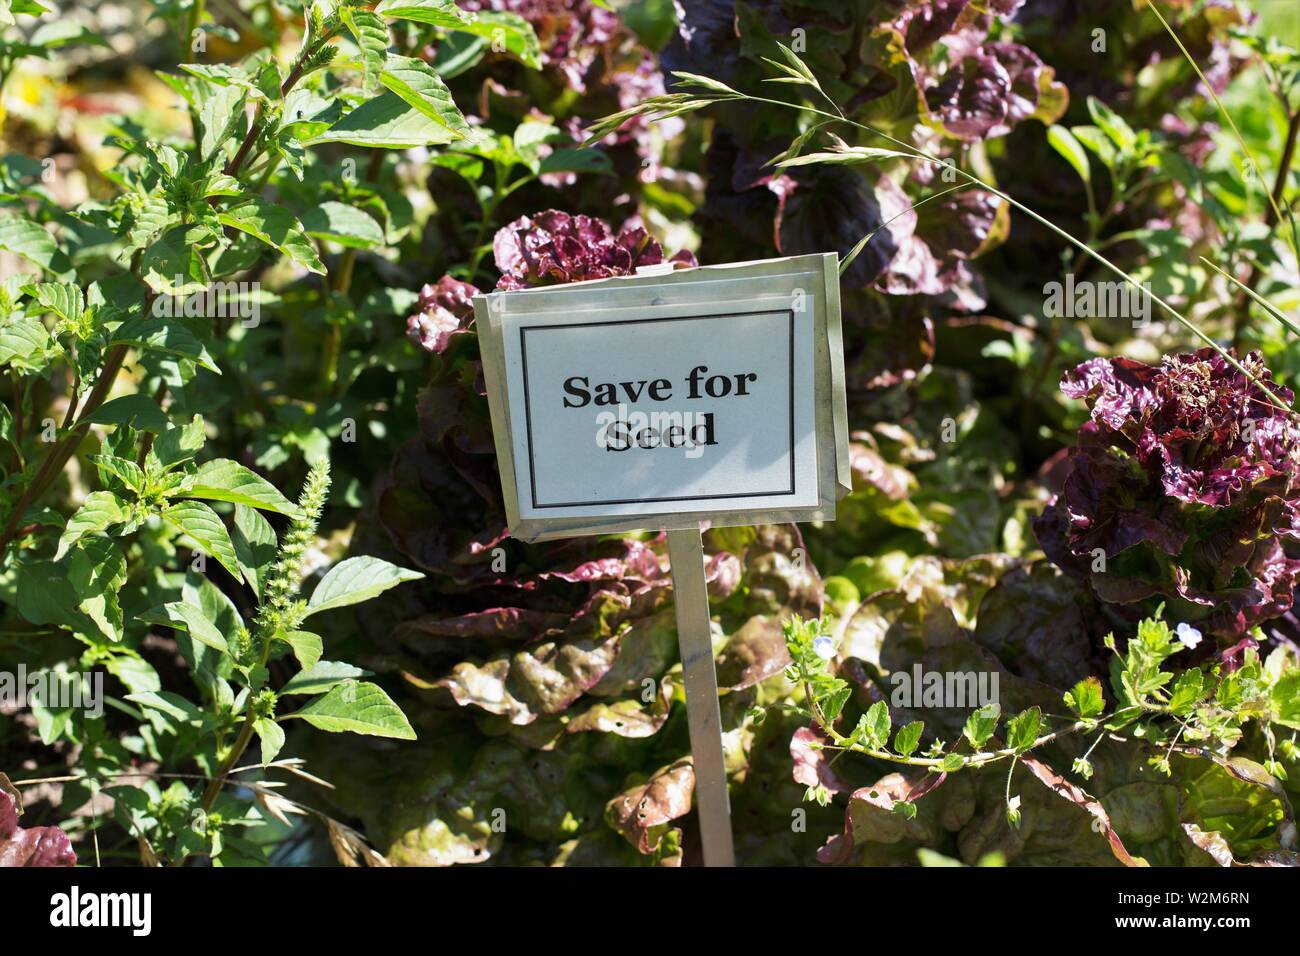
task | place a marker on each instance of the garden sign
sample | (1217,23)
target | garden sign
(664,400)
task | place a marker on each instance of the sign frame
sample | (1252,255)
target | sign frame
(648,294)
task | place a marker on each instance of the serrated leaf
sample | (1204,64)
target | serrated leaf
(1085,698)
(1188,689)
(833,701)
(275,226)
(354,580)
(224,480)
(346,225)
(1022,729)
(980,725)
(64,299)
(908,738)
(358,708)
(320,677)
(876,725)
(205,527)
(371,35)
(417,84)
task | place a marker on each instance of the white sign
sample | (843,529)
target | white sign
(658,401)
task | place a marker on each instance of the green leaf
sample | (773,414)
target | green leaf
(275,226)
(25,238)
(186,617)
(122,469)
(206,528)
(224,480)
(1022,729)
(981,724)
(440,13)
(179,443)
(354,580)
(100,511)
(359,708)
(24,342)
(307,647)
(58,33)
(876,725)
(1071,150)
(1085,698)
(173,705)
(163,335)
(255,546)
(346,225)
(271,736)
(576,161)
(1189,688)
(417,84)
(1112,124)
(64,299)
(370,33)
(908,738)
(833,700)
(388,122)
(221,114)
(137,410)
(320,677)
(952,763)
(96,571)
(506,33)
(172,264)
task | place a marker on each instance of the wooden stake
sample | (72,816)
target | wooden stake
(713,805)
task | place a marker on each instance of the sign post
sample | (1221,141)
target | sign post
(663,401)
(695,639)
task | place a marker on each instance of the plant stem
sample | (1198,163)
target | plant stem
(65,447)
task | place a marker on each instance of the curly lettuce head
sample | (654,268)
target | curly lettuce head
(1184,484)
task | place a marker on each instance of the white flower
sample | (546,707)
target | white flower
(1188,636)
(824,647)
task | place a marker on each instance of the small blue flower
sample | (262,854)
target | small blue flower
(1188,636)
(824,647)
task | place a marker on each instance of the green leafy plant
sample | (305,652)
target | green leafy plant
(1199,711)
